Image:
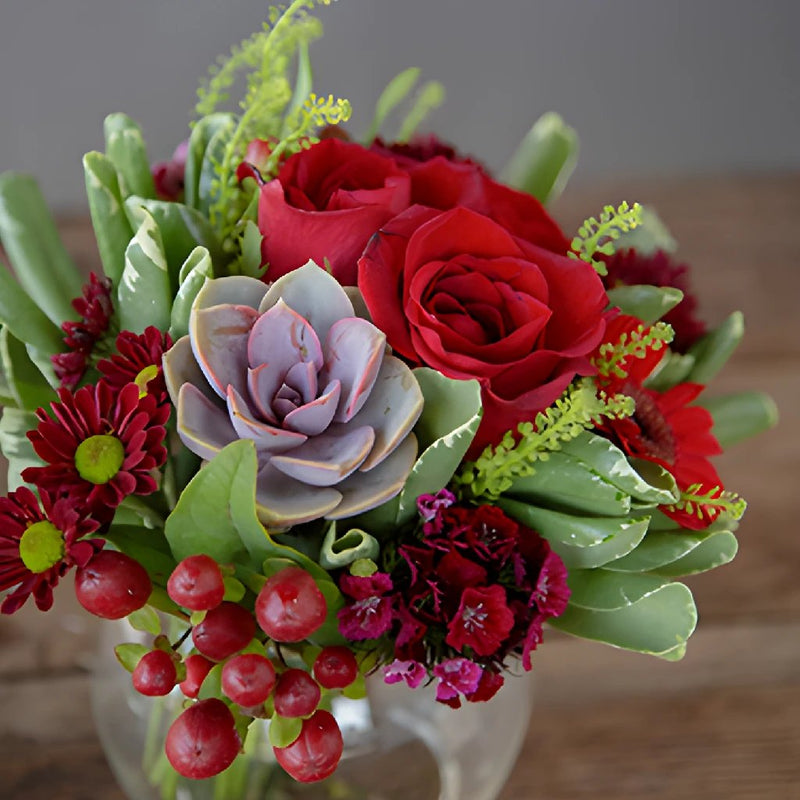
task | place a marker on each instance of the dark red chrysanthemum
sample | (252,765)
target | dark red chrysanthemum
(95,308)
(631,268)
(168,176)
(138,360)
(100,446)
(421,148)
(39,545)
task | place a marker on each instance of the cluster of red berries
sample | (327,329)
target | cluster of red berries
(207,736)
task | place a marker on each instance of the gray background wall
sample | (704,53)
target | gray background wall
(653,86)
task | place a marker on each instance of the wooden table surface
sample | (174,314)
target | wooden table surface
(724,723)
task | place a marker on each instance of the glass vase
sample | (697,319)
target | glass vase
(399,744)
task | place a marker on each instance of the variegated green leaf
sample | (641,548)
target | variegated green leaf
(715,348)
(740,416)
(193,274)
(28,385)
(658,549)
(125,148)
(601,590)
(15,445)
(648,303)
(202,133)
(719,548)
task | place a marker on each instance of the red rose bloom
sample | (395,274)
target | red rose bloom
(325,204)
(457,292)
(420,148)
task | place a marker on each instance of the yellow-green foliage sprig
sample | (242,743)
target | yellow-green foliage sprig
(597,237)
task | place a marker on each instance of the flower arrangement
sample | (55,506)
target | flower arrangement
(344,408)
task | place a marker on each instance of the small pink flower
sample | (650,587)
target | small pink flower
(370,615)
(412,672)
(482,622)
(552,593)
(428,505)
(456,676)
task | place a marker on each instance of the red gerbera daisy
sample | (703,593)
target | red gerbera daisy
(39,545)
(138,360)
(99,446)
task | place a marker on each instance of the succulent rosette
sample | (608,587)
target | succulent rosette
(293,369)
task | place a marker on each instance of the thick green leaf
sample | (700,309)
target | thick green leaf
(674,368)
(564,483)
(648,303)
(715,348)
(28,386)
(15,445)
(207,189)
(450,417)
(644,482)
(601,590)
(718,549)
(25,319)
(338,552)
(658,549)
(740,416)
(428,98)
(182,229)
(395,92)
(284,730)
(125,148)
(40,260)
(656,624)
(193,274)
(250,259)
(112,230)
(202,133)
(544,160)
(147,546)
(144,293)
(649,236)
(582,542)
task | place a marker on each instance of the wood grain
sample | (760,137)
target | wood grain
(723,724)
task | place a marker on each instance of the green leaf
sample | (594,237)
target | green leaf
(658,549)
(718,549)
(674,368)
(328,633)
(656,624)
(194,272)
(145,619)
(208,187)
(740,416)
(429,97)
(649,236)
(125,148)
(395,92)
(212,683)
(25,319)
(129,654)
(544,159)
(303,85)
(29,387)
(567,484)
(147,546)
(41,262)
(182,229)
(715,348)
(450,417)
(582,542)
(357,690)
(250,259)
(144,293)
(202,133)
(112,230)
(15,445)
(601,590)
(648,303)
(339,552)
(284,730)
(643,481)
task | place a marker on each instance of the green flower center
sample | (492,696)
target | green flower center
(41,546)
(99,458)
(144,377)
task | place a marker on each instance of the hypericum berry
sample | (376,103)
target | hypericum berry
(296,694)
(335,667)
(112,585)
(314,754)
(197,583)
(290,606)
(248,679)
(224,631)
(203,740)
(197,667)
(155,674)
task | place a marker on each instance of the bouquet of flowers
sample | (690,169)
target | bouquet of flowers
(346,408)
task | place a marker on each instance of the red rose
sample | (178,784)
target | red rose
(325,204)
(420,148)
(457,292)
(444,184)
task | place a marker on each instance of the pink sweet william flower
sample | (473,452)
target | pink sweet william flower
(551,593)
(456,676)
(428,505)
(412,672)
(483,620)
(370,615)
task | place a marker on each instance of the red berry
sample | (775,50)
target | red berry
(197,667)
(197,583)
(248,679)
(296,694)
(335,667)
(314,754)
(224,631)
(203,740)
(112,585)
(155,674)
(290,606)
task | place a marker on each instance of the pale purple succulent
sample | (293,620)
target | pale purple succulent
(291,367)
